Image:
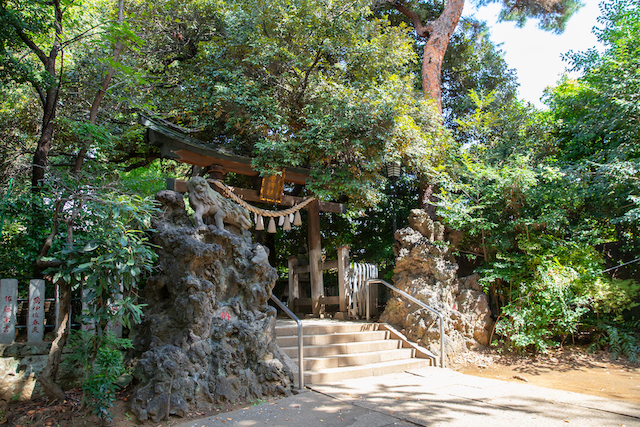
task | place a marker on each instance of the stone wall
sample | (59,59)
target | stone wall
(426,269)
(20,365)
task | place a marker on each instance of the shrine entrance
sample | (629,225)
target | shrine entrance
(178,146)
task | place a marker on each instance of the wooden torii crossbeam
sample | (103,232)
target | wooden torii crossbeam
(177,145)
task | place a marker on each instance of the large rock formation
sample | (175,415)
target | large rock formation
(208,333)
(426,270)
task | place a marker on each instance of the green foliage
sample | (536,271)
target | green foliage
(110,253)
(532,228)
(544,304)
(599,110)
(146,181)
(473,64)
(26,225)
(320,85)
(551,16)
(537,192)
(101,370)
(619,339)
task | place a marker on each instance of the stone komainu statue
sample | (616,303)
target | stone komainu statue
(205,201)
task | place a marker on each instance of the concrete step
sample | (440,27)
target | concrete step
(344,348)
(290,328)
(355,359)
(370,370)
(338,350)
(335,338)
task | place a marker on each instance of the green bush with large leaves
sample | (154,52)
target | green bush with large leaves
(103,248)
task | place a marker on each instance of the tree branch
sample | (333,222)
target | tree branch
(305,83)
(41,94)
(421,30)
(49,242)
(97,100)
(140,164)
(81,36)
(31,45)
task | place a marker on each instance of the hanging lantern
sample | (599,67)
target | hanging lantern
(394,169)
(272,226)
(287,223)
(259,223)
(297,221)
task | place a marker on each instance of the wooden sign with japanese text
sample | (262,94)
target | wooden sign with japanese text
(272,188)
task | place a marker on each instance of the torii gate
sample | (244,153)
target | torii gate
(176,145)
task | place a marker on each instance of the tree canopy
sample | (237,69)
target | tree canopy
(315,84)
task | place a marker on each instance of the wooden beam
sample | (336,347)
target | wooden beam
(343,269)
(315,257)
(180,185)
(330,265)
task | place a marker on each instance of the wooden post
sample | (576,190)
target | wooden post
(9,306)
(372,273)
(294,286)
(343,270)
(35,322)
(315,257)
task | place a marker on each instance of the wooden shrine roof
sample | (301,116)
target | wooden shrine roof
(180,146)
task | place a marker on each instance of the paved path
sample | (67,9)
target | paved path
(431,397)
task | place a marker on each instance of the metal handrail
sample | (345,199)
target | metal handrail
(420,303)
(300,341)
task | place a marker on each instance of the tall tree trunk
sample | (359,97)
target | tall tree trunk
(436,34)
(49,99)
(48,376)
(427,200)
(46,138)
(435,48)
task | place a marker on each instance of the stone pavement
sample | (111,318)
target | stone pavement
(431,397)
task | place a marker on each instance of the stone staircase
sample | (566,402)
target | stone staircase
(339,350)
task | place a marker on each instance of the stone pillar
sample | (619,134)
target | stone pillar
(9,306)
(343,271)
(315,257)
(294,286)
(35,321)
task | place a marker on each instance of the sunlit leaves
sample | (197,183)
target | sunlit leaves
(600,110)
(551,15)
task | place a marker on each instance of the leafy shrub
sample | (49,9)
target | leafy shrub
(545,307)
(618,339)
(548,287)
(99,385)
